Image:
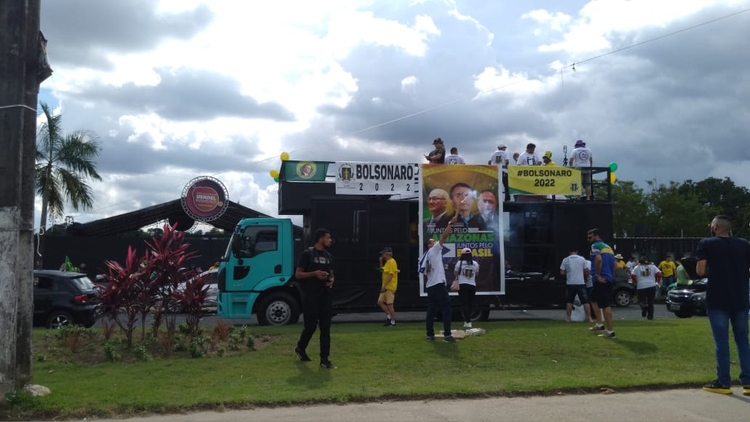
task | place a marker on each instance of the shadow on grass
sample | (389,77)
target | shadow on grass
(310,375)
(638,347)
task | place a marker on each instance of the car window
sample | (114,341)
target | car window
(83,283)
(45,283)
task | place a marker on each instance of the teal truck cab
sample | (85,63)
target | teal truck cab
(256,274)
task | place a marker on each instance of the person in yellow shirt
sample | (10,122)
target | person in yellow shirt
(547,159)
(621,264)
(667,268)
(389,276)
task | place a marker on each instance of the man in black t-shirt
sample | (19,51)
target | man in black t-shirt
(315,275)
(727,260)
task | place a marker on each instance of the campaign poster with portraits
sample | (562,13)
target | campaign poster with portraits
(474,192)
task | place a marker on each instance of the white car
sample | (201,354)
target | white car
(211,294)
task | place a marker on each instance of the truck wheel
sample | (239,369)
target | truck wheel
(622,298)
(683,314)
(278,309)
(480,314)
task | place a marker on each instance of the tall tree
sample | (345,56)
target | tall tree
(677,213)
(630,209)
(64,163)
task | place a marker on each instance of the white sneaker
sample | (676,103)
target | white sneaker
(467,325)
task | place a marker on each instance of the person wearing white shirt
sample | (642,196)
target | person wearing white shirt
(581,157)
(529,157)
(500,158)
(576,270)
(438,299)
(466,272)
(454,158)
(646,275)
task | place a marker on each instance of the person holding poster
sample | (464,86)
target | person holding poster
(473,191)
(431,265)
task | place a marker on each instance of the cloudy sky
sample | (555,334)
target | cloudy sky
(176,89)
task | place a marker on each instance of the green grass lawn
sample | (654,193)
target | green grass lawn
(375,362)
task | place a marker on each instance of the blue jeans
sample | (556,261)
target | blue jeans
(438,300)
(720,327)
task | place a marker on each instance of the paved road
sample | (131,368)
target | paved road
(692,405)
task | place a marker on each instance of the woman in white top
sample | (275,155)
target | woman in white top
(466,271)
(646,276)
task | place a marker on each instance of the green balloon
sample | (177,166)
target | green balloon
(612,166)
(276,179)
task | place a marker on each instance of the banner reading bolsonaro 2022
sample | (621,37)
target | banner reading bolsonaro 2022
(472,191)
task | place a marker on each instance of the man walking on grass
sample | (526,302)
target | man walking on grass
(601,295)
(726,260)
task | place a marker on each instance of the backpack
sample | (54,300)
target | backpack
(311,251)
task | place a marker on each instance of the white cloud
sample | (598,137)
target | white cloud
(409,83)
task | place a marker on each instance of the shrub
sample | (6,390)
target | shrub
(141,353)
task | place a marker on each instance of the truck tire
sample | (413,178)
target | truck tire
(622,298)
(278,308)
(482,314)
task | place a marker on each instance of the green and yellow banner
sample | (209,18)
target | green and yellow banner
(305,171)
(544,180)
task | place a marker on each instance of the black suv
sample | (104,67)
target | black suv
(62,298)
(687,301)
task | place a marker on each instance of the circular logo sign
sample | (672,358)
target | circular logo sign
(205,198)
(306,169)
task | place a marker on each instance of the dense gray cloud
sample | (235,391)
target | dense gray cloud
(185,95)
(82,32)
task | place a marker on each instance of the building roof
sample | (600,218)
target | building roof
(171,211)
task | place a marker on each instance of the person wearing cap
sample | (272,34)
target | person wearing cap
(389,277)
(465,283)
(529,157)
(500,158)
(620,263)
(581,157)
(437,155)
(454,157)
(646,276)
(547,159)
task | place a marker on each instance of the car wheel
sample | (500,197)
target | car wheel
(683,315)
(622,298)
(58,320)
(174,307)
(278,309)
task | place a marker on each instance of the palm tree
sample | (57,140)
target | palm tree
(63,163)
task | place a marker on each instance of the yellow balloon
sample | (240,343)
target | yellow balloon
(274,173)
(284,156)
(612,178)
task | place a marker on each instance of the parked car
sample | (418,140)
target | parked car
(62,298)
(211,294)
(688,301)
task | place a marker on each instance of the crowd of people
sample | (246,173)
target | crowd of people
(580,157)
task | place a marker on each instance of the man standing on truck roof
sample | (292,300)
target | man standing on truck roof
(431,265)
(389,276)
(437,155)
(604,277)
(725,260)
(315,275)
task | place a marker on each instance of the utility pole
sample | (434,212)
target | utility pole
(19,84)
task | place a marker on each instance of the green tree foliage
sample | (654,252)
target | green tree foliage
(678,209)
(63,165)
(629,207)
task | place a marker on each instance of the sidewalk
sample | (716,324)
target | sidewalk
(668,405)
